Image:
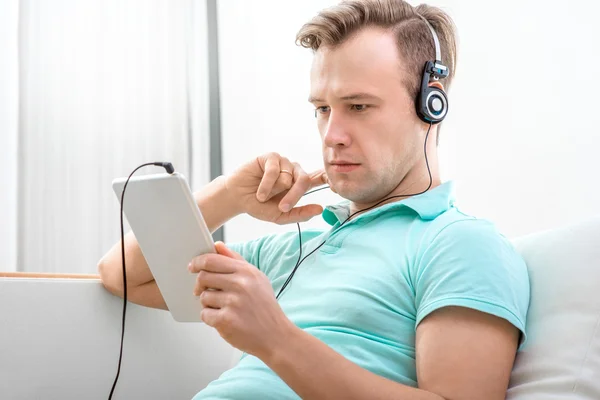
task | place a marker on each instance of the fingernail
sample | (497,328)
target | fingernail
(285,207)
(190,267)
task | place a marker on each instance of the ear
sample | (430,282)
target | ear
(436,84)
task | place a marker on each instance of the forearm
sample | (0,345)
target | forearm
(215,204)
(315,371)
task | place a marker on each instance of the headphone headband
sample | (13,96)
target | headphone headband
(432,102)
(439,70)
(438,53)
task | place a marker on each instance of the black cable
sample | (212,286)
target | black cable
(169,168)
(353,214)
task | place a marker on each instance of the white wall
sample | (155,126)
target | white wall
(9,100)
(520,140)
(534,165)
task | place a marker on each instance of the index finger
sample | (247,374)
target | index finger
(317,178)
(213,263)
(270,175)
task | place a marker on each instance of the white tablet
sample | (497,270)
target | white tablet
(170,230)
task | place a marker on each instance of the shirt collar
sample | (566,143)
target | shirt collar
(427,205)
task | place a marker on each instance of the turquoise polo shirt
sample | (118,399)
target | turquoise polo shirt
(376,277)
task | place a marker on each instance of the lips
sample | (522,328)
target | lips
(342,162)
(343,166)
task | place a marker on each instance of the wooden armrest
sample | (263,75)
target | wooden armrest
(47,275)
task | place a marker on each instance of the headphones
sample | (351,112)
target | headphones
(432,102)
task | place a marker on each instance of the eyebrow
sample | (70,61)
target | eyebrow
(353,96)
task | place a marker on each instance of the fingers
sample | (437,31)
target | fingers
(206,280)
(270,176)
(214,298)
(296,184)
(300,186)
(215,271)
(286,179)
(318,178)
(210,280)
(300,214)
(274,181)
(302,183)
(210,316)
(222,249)
(218,263)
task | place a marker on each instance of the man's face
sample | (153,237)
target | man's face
(369,130)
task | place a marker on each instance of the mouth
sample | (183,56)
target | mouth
(343,166)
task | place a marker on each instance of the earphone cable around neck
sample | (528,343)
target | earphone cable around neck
(300,259)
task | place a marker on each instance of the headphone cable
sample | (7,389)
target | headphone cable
(169,168)
(300,259)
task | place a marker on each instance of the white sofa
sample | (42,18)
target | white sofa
(561,359)
(59,337)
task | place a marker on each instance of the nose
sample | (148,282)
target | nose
(336,132)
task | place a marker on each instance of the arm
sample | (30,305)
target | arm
(221,200)
(216,208)
(461,354)
(471,298)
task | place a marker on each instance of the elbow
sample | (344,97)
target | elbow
(109,278)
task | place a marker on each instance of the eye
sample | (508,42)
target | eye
(359,107)
(321,110)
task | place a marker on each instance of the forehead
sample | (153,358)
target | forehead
(368,61)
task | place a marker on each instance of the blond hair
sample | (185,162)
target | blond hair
(334,25)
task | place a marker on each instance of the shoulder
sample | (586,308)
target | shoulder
(466,261)
(457,232)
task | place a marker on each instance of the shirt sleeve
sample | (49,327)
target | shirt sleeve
(469,264)
(251,249)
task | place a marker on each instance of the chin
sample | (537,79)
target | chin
(353,192)
(365,191)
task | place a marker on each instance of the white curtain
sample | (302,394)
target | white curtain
(105,85)
(9,100)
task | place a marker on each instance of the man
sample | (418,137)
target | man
(405,296)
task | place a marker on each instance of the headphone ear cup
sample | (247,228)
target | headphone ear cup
(432,105)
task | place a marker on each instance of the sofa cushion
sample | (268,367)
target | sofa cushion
(561,358)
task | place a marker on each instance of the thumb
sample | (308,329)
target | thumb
(226,251)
